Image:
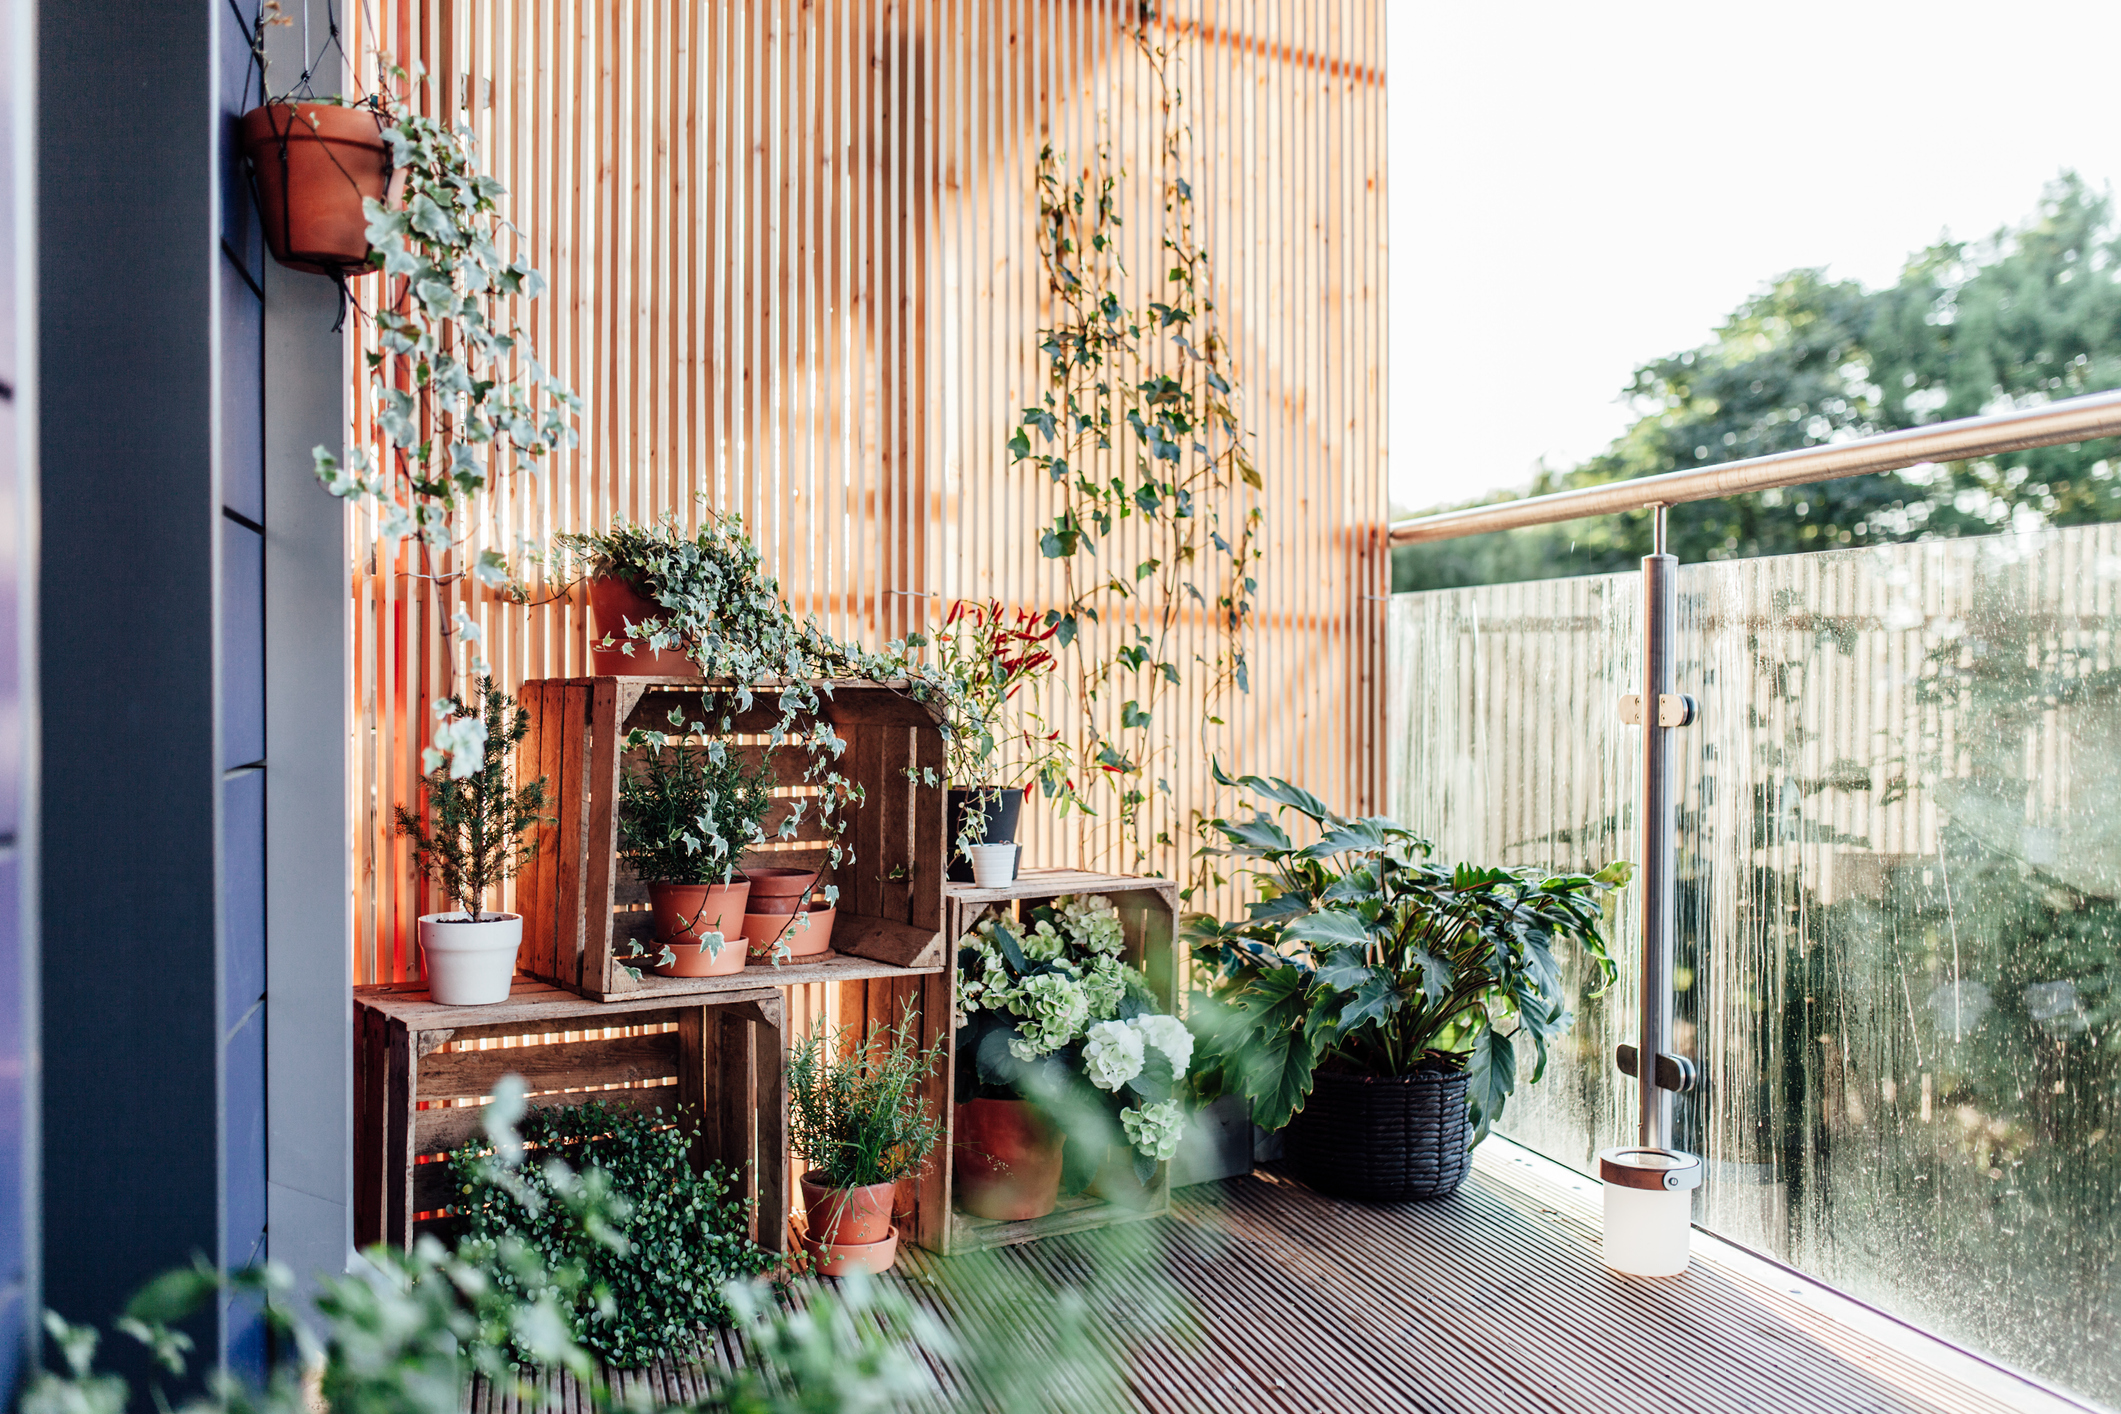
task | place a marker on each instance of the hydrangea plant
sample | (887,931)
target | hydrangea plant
(1050,1012)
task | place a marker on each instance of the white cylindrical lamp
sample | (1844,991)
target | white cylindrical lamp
(1649,1209)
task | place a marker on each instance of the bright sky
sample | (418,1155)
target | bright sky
(1576,189)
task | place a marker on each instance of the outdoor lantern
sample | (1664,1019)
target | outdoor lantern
(1649,1203)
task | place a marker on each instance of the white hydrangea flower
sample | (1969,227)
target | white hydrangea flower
(1112,1055)
(1154,1130)
(1169,1035)
(1055,1010)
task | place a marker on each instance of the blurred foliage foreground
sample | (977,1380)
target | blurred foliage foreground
(2029,316)
(410,1335)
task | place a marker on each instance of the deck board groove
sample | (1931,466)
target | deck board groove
(1492,1302)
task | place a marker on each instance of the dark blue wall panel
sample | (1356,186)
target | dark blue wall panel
(242,395)
(242,645)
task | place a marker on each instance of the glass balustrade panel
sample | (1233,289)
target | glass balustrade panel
(1899,947)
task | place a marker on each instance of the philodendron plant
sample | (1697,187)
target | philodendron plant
(1362,954)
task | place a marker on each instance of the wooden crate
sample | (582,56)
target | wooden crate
(720,1057)
(580,908)
(1148,911)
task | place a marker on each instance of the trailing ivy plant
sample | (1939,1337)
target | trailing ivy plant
(1361,955)
(477,829)
(460,395)
(1138,430)
(680,1233)
(725,613)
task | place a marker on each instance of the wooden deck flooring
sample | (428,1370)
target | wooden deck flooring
(1489,1303)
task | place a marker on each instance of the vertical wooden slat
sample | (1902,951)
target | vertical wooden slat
(593,943)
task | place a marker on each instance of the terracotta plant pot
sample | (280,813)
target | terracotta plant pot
(779,890)
(315,164)
(1007,1158)
(846,1217)
(467,963)
(840,1259)
(685,913)
(613,603)
(809,933)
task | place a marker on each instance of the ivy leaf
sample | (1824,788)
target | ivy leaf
(1131,715)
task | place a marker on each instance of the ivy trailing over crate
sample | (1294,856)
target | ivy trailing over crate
(679,1234)
(725,613)
(1138,430)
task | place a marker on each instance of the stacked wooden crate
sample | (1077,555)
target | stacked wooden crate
(423,1070)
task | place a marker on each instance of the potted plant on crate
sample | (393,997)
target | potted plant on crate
(1065,1069)
(861,1120)
(987,655)
(686,812)
(1373,1002)
(474,838)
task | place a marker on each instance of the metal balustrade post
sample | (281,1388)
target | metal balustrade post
(1660,603)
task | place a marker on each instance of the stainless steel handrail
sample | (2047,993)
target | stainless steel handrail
(2074,420)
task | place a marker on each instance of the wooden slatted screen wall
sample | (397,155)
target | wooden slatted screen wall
(792,266)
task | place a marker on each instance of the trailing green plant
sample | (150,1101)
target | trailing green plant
(409,1336)
(1361,955)
(460,396)
(1054,1015)
(681,1232)
(861,1118)
(1138,431)
(476,834)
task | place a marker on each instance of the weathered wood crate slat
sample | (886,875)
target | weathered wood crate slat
(1148,911)
(721,1058)
(581,909)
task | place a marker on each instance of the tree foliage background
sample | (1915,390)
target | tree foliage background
(2030,315)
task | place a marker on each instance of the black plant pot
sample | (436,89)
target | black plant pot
(1001,809)
(1384,1138)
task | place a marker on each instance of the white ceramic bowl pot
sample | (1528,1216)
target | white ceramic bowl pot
(467,963)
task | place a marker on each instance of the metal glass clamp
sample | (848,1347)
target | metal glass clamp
(1673,709)
(1673,1072)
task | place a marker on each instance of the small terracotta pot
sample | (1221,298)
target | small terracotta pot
(809,933)
(778,890)
(315,164)
(840,1259)
(613,603)
(1007,1159)
(684,913)
(846,1217)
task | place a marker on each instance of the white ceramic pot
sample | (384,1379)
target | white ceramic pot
(470,964)
(993,865)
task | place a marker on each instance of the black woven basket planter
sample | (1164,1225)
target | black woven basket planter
(1384,1138)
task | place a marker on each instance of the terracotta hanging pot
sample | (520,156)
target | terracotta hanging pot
(315,164)
(685,914)
(1007,1160)
(614,603)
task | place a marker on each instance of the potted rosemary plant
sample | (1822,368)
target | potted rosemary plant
(686,813)
(473,838)
(862,1121)
(1376,1003)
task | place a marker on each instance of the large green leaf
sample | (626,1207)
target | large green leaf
(1375,999)
(1259,835)
(1348,835)
(1330,929)
(1276,789)
(1493,1071)
(1435,975)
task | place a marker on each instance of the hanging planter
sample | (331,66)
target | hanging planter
(315,163)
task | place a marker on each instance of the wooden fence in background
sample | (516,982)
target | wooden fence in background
(793,273)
